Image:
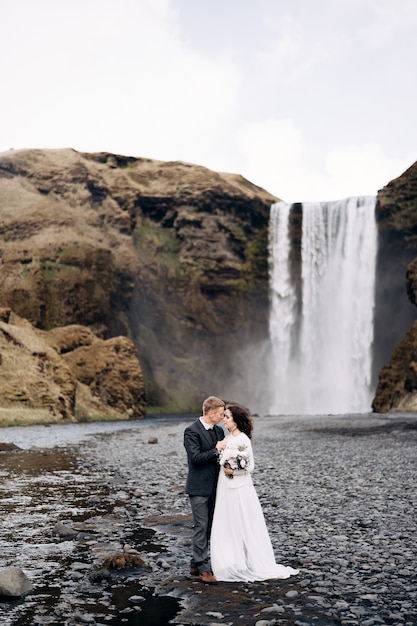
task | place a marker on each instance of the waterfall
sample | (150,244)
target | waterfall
(321,317)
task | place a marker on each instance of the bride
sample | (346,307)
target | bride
(241,549)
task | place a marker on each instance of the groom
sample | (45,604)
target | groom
(203,443)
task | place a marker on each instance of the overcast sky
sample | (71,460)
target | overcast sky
(310,99)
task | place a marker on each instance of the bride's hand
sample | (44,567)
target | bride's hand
(228,471)
(220,445)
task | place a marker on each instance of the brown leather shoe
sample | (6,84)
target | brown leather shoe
(194,571)
(208,578)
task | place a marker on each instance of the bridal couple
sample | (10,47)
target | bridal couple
(225,506)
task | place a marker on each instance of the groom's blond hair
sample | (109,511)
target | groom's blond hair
(212,403)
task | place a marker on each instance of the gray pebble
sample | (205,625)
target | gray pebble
(136,599)
(339,499)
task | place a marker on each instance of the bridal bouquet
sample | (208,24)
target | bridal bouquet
(234,458)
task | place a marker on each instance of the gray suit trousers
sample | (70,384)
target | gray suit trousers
(202,508)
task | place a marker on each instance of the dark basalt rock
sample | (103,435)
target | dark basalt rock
(396,213)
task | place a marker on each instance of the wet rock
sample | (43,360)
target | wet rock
(63,530)
(8,447)
(273,609)
(124,560)
(137,599)
(84,618)
(14,582)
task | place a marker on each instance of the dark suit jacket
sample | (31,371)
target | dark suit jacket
(203,466)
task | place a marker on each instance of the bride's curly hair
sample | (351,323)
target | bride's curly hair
(242,418)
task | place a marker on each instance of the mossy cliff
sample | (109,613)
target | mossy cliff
(396,213)
(170,255)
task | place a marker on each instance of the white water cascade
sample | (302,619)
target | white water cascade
(322,332)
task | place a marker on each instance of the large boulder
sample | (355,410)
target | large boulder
(111,371)
(66,374)
(169,254)
(14,582)
(33,376)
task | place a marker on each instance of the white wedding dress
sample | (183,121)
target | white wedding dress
(241,549)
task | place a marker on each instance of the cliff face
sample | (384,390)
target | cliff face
(396,213)
(146,283)
(170,255)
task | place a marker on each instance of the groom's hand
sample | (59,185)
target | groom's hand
(220,445)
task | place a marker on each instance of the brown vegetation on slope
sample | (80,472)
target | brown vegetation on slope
(170,255)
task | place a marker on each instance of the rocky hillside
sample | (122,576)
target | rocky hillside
(66,373)
(169,255)
(397,278)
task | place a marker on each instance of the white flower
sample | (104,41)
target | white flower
(234,457)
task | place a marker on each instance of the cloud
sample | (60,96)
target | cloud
(305,99)
(389,21)
(364,168)
(275,155)
(286,56)
(106,77)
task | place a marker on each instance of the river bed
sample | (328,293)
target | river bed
(339,498)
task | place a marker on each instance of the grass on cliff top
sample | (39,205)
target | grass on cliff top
(18,416)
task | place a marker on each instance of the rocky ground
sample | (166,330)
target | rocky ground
(338,495)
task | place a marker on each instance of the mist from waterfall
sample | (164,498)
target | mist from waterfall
(321,320)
